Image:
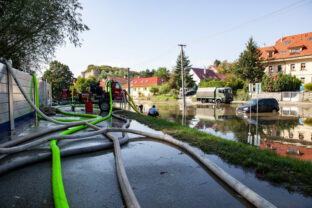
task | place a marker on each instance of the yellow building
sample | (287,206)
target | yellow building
(141,86)
(290,55)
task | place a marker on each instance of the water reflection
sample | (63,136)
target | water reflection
(288,133)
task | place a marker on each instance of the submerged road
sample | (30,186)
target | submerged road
(160,175)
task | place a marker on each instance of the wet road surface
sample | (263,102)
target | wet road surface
(160,175)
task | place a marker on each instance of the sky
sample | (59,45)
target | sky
(144,34)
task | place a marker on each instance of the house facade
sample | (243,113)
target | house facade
(290,55)
(141,86)
(201,74)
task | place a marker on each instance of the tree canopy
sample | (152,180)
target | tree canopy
(31,30)
(176,80)
(226,67)
(162,72)
(60,76)
(249,66)
(217,62)
(83,84)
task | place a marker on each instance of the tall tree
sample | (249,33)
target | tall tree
(217,62)
(31,30)
(162,72)
(176,79)
(249,66)
(60,76)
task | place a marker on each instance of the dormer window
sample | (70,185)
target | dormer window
(271,53)
(295,51)
(282,52)
(310,38)
(287,42)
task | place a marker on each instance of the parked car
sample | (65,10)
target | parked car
(264,105)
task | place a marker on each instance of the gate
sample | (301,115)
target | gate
(290,96)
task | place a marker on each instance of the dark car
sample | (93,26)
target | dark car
(264,105)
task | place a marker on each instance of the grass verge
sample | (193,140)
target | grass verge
(292,174)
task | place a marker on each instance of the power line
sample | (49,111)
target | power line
(275,12)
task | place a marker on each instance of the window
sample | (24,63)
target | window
(270,69)
(134,89)
(301,136)
(292,67)
(302,79)
(303,67)
(287,42)
(295,51)
(291,135)
(145,89)
(270,53)
(310,38)
(282,52)
(279,68)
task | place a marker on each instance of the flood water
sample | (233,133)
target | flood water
(288,132)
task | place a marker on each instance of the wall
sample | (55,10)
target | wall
(286,96)
(142,90)
(276,95)
(20,105)
(286,68)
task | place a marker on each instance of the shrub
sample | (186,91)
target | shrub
(164,88)
(174,92)
(154,90)
(286,82)
(241,94)
(235,84)
(308,86)
(211,83)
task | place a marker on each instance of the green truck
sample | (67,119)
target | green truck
(214,95)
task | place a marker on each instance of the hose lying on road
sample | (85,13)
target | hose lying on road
(60,199)
(58,190)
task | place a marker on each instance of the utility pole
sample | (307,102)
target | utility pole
(129,86)
(182,74)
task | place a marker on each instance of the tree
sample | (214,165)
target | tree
(217,62)
(226,68)
(176,81)
(249,66)
(154,90)
(268,83)
(162,72)
(83,84)
(60,76)
(31,30)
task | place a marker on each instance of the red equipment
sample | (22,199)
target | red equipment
(89,106)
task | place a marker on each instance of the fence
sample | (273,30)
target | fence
(286,96)
(13,105)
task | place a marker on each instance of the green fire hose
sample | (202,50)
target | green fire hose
(59,195)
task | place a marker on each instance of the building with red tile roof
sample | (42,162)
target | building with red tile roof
(213,68)
(141,86)
(290,55)
(201,74)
